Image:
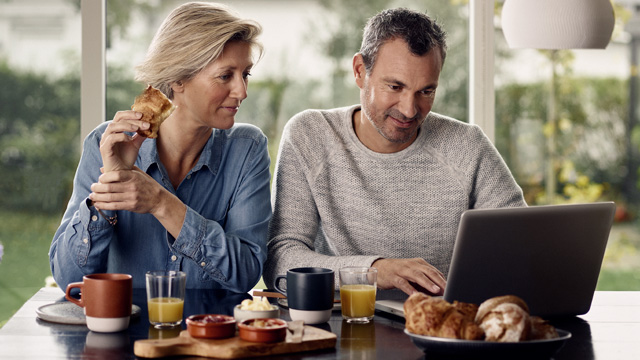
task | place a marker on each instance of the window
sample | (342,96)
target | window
(307,59)
(39,137)
(567,127)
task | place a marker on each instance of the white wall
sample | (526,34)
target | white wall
(39,34)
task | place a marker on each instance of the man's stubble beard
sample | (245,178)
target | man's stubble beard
(409,134)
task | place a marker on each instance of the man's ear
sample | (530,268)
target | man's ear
(359,71)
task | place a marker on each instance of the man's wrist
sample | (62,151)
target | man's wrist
(378,260)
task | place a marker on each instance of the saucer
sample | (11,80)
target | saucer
(311,317)
(285,305)
(69,313)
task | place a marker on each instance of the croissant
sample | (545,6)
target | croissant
(412,301)
(426,315)
(155,108)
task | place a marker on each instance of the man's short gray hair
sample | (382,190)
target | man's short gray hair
(418,30)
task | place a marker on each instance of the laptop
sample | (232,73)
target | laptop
(550,256)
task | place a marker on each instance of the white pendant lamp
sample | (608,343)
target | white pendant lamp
(557,24)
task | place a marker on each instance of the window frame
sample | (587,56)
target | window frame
(93,79)
(481,66)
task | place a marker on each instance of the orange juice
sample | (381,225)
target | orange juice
(165,310)
(358,301)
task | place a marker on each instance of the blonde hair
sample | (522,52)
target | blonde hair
(190,38)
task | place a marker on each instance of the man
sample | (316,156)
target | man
(384,183)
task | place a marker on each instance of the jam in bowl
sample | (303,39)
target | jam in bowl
(211,326)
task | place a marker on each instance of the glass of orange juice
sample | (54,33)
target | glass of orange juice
(165,297)
(358,293)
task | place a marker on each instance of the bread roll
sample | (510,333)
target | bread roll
(489,304)
(504,319)
(155,108)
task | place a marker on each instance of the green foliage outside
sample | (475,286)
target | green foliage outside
(590,138)
(39,129)
(39,150)
(26,238)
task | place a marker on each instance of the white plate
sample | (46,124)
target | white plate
(69,313)
(539,349)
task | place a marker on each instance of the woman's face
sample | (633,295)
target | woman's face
(212,98)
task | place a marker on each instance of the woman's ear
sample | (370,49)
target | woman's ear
(177,86)
(359,71)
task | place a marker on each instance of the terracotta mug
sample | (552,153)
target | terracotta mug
(106,299)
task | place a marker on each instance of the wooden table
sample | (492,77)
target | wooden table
(611,330)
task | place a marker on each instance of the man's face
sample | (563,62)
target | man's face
(397,95)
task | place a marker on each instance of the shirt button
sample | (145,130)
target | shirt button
(188,176)
(94,218)
(85,240)
(174,258)
(202,264)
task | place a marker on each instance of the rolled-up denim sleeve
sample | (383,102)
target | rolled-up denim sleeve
(80,246)
(234,253)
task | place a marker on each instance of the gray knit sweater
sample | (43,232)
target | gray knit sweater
(337,203)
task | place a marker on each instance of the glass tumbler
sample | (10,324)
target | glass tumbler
(358,293)
(165,297)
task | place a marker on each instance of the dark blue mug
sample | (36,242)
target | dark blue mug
(308,288)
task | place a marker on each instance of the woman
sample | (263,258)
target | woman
(195,199)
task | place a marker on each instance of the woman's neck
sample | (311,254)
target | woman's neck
(179,148)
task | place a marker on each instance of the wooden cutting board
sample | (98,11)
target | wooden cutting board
(232,348)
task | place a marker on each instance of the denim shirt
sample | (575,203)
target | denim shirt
(222,243)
